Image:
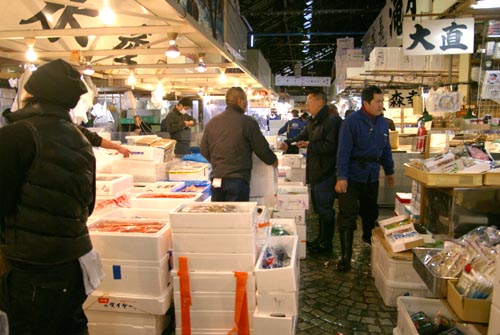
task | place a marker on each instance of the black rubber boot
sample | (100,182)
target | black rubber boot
(319,239)
(325,245)
(346,241)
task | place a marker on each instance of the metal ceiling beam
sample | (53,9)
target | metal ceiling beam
(98,67)
(314,12)
(318,33)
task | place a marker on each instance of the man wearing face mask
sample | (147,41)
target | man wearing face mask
(179,123)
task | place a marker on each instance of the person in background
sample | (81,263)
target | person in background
(228,141)
(363,147)
(390,122)
(98,141)
(47,187)
(333,110)
(292,128)
(305,117)
(320,137)
(348,112)
(140,127)
(179,123)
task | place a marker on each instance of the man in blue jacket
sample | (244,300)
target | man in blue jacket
(292,128)
(363,147)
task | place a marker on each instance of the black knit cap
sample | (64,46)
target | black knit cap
(186,102)
(56,82)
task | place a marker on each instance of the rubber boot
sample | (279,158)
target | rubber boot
(325,245)
(319,239)
(346,242)
(328,230)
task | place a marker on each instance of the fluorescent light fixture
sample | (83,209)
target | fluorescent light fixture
(106,14)
(88,70)
(486,4)
(309,2)
(31,55)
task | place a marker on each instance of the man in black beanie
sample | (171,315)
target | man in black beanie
(47,192)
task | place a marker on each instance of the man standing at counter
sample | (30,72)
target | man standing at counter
(363,147)
(179,123)
(228,142)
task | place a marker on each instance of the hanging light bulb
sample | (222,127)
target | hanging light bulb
(31,55)
(173,50)
(222,77)
(201,64)
(200,92)
(131,79)
(106,14)
(88,70)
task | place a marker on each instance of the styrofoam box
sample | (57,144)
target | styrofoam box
(431,307)
(292,160)
(212,319)
(213,281)
(284,279)
(298,214)
(396,270)
(284,172)
(245,216)
(214,301)
(267,324)
(193,173)
(292,197)
(214,243)
(390,290)
(494,324)
(135,277)
(141,200)
(111,323)
(145,153)
(165,186)
(131,246)
(401,200)
(278,302)
(302,231)
(178,331)
(113,184)
(122,303)
(216,262)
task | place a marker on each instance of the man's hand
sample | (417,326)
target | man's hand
(283,146)
(390,181)
(124,151)
(189,123)
(341,186)
(302,144)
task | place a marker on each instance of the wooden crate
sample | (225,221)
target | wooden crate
(492,177)
(444,179)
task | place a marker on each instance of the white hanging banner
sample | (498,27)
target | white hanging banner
(438,37)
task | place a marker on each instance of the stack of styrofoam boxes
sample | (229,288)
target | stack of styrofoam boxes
(145,163)
(299,217)
(277,289)
(494,324)
(394,277)
(343,44)
(217,239)
(136,290)
(284,174)
(188,170)
(385,58)
(111,190)
(297,164)
(402,199)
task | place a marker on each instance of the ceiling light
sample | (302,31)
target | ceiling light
(131,79)
(309,2)
(31,55)
(486,4)
(88,70)
(201,64)
(106,14)
(222,77)
(173,50)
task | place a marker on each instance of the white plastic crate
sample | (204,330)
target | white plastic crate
(112,323)
(292,197)
(243,216)
(216,262)
(213,281)
(214,301)
(390,290)
(123,303)
(164,200)
(278,303)
(128,245)
(112,185)
(214,243)
(135,277)
(396,270)
(298,214)
(211,319)
(267,324)
(284,279)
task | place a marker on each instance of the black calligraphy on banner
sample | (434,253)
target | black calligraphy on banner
(130,43)
(399,99)
(453,37)
(419,37)
(396,15)
(67,19)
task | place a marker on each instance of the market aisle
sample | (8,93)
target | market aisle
(348,303)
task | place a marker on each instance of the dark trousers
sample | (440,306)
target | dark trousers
(360,199)
(322,198)
(232,189)
(44,300)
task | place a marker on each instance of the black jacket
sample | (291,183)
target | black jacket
(56,193)
(322,132)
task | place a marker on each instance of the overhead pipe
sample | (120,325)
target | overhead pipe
(342,33)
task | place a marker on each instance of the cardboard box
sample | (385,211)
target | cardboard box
(494,324)
(496,285)
(395,224)
(471,310)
